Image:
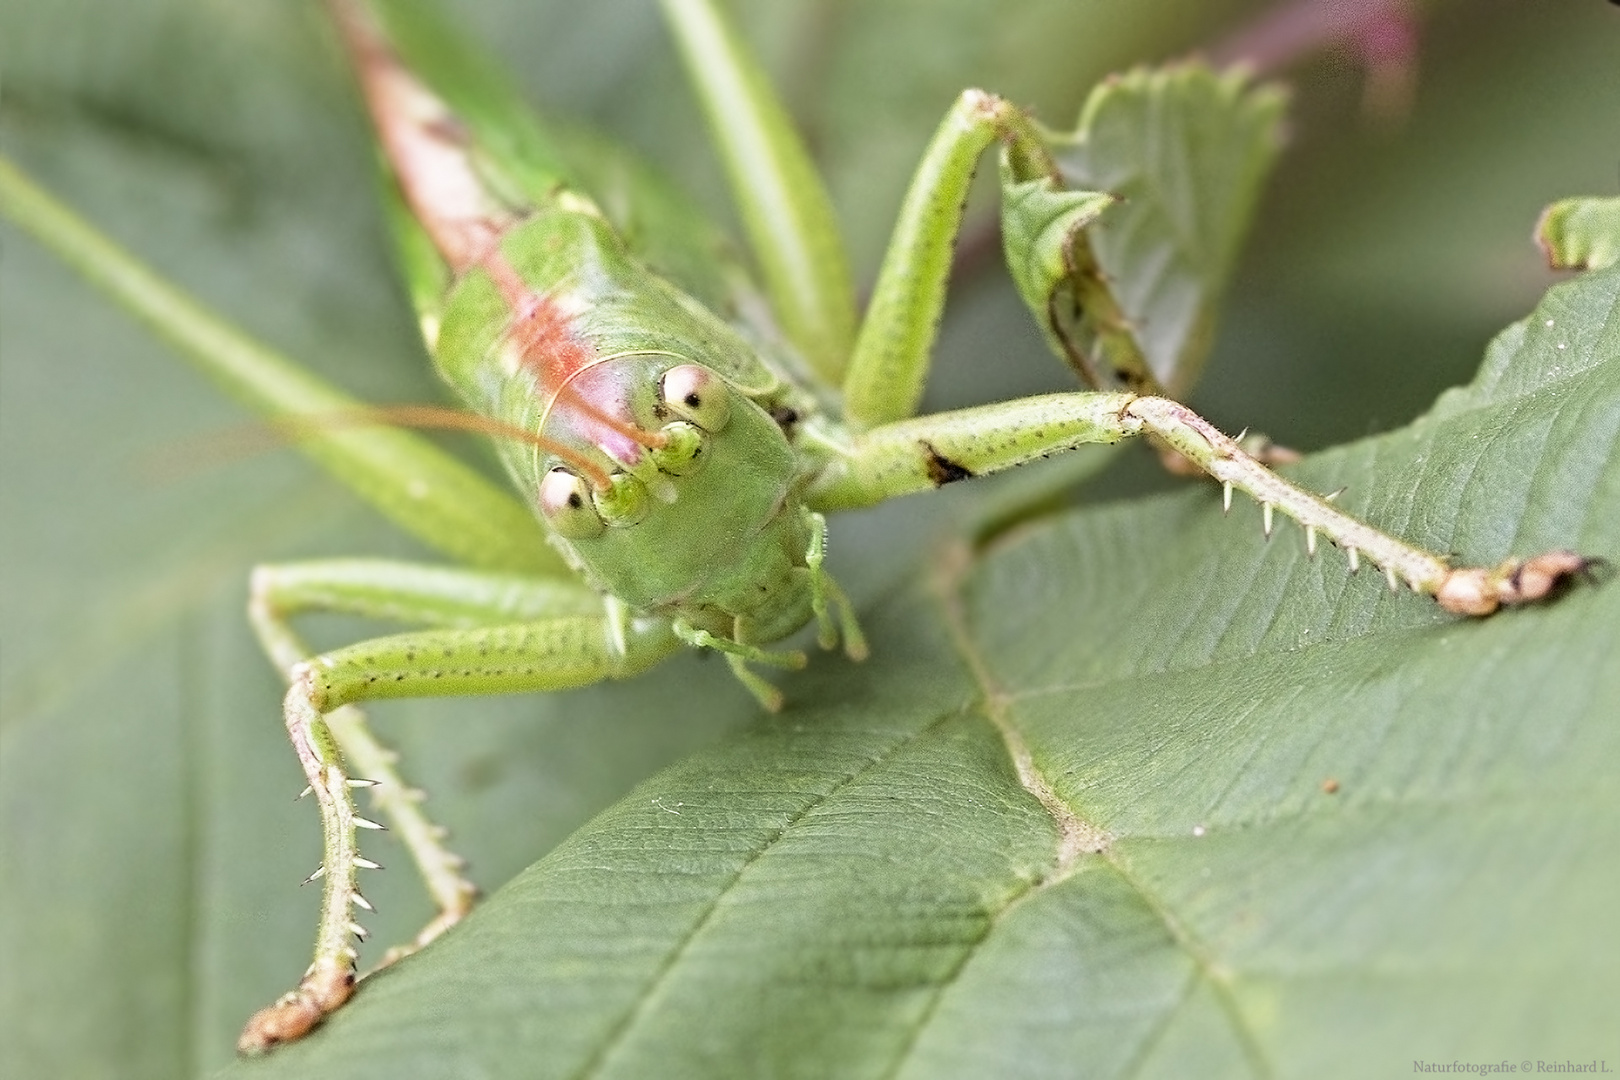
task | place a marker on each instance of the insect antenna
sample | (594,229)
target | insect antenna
(572,399)
(438,418)
(251,439)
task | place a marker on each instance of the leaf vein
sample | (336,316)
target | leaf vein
(619,1036)
(1204,963)
(1076,835)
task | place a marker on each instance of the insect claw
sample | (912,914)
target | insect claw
(366,864)
(361,902)
(367,823)
(1355,559)
(1310,540)
(1226,497)
(1394,582)
(1265,515)
(319,870)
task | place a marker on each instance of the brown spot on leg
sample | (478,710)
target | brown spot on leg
(941,469)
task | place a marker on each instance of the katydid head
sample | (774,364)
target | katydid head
(696,473)
(647,452)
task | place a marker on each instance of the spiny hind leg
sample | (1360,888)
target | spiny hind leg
(1260,447)
(1467,590)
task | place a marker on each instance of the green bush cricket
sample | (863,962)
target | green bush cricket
(633,420)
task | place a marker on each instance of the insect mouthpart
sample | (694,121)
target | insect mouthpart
(623,502)
(682,453)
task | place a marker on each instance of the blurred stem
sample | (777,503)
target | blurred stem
(1382,34)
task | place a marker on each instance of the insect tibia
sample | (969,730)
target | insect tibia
(430,933)
(1256,445)
(1474,591)
(330,979)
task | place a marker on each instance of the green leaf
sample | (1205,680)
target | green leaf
(1185,151)
(1042,233)
(1580,234)
(1196,805)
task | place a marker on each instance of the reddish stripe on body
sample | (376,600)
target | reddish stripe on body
(546,345)
(540,330)
(429,150)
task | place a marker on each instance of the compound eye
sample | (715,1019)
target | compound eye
(695,393)
(565,500)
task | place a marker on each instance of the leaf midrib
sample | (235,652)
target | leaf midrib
(1070,824)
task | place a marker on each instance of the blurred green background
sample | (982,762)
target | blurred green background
(149,837)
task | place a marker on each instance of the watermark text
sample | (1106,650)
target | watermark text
(1531,1066)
